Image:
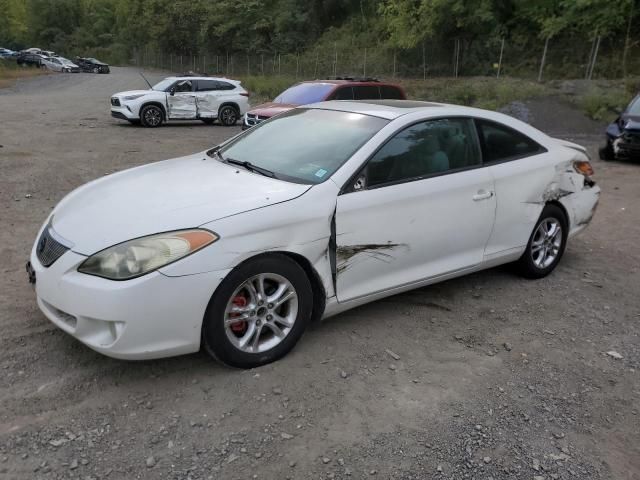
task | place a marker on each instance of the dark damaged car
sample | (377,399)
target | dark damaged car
(91,65)
(623,135)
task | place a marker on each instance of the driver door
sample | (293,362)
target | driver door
(422,207)
(181,101)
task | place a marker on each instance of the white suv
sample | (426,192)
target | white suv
(183,98)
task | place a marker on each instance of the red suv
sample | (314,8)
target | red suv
(313,91)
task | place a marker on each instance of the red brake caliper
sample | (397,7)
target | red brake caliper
(241,326)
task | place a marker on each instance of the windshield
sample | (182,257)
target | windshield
(305,93)
(634,108)
(163,84)
(92,60)
(304,145)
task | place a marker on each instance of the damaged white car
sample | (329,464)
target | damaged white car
(183,98)
(318,210)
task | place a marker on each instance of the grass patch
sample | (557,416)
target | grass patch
(265,89)
(604,100)
(10,72)
(481,92)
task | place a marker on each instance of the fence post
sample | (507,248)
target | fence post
(171,62)
(364,63)
(248,64)
(335,59)
(500,59)
(394,64)
(315,68)
(204,64)
(279,64)
(262,63)
(457,57)
(595,56)
(424,62)
(544,57)
(297,63)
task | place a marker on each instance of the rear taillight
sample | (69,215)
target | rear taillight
(245,94)
(583,167)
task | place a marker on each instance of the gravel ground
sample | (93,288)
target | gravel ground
(484,377)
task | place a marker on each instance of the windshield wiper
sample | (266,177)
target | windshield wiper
(249,166)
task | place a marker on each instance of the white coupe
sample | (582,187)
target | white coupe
(313,212)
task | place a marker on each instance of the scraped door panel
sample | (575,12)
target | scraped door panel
(182,106)
(397,235)
(207,104)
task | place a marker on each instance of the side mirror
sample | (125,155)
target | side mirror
(172,92)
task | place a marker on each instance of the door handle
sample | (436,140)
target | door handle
(482,195)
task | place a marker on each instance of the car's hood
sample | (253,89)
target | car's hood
(132,92)
(181,193)
(270,109)
(631,122)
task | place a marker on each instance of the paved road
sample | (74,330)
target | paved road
(498,377)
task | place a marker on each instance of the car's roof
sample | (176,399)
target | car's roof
(189,77)
(344,81)
(389,109)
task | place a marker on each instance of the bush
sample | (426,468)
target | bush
(265,89)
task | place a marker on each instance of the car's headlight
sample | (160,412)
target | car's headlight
(143,255)
(133,97)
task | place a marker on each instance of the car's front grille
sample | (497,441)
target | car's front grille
(253,119)
(115,102)
(48,249)
(632,136)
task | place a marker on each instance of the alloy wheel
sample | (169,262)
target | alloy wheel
(546,243)
(152,117)
(261,313)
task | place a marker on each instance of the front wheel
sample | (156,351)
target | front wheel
(228,115)
(546,245)
(258,313)
(151,116)
(96,70)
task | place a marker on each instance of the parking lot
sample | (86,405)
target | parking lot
(486,376)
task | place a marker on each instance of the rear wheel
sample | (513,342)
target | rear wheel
(151,116)
(96,70)
(546,245)
(228,115)
(258,313)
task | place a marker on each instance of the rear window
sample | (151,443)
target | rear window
(390,92)
(209,85)
(366,92)
(500,143)
(305,93)
(343,93)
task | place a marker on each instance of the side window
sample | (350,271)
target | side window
(206,85)
(391,92)
(182,86)
(500,142)
(224,85)
(425,149)
(366,92)
(342,93)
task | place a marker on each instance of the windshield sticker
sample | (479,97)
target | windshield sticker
(321,173)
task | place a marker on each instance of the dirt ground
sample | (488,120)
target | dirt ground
(497,377)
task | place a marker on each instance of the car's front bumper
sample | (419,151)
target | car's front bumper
(148,317)
(123,112)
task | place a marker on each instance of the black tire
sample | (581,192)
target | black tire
(214,334)
(151,116)
(208,121)
(228,115)
(96,70)
(606,153)
(526,265)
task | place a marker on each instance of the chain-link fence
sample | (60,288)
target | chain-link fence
(542,59)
